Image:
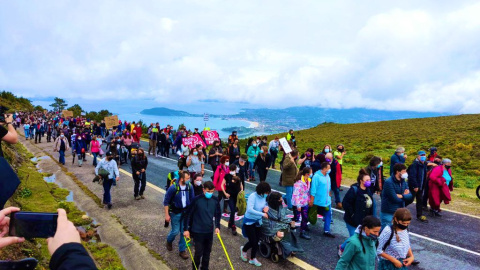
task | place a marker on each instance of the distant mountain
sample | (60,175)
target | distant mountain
(162,111)
(277,120)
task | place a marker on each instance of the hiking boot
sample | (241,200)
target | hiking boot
(422,219)
(255,262)
(169,246)
(143,197)
(109,206)
(304,235)
(243,255)
(137,198)
(183,255)
(328,234)
(339,206)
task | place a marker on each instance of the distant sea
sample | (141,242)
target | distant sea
(190,122)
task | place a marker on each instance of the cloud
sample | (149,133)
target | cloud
(402,56)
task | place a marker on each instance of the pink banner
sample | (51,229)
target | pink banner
(192,141)
(210,136)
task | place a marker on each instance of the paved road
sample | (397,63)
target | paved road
(450,242)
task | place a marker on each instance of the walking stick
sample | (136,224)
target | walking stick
(187,241)
(224,249)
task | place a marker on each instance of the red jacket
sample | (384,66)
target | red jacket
(438,189)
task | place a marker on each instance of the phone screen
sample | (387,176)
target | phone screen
(33,225)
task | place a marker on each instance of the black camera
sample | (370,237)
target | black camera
(3,111)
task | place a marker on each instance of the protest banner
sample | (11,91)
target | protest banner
(210,136)
(192,141)
(111,121)
(285,145)
(67,113)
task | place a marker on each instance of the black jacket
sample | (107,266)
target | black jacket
(138,164)
(417,172)
(199,216)
(355,205)
(71,256)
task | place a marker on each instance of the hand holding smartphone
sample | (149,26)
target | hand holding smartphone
(33,225)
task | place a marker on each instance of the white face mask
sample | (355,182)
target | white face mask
(227,163)
(232,173)
(404,175)
(198,183)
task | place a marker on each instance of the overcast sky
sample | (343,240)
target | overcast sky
(394,55)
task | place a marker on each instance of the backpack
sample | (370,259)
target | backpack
(177,190)
(389,240)
(241,203)
(171,176)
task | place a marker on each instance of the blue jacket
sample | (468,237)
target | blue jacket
(78,145)
(417,172)
(390,201)
(394,160)
(320,189)
(253,153)
(174,197)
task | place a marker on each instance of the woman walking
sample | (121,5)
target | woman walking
(262,163)
(110,165)
(139,167)
(256,209)
(95,149)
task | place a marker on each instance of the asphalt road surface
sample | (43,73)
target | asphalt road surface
(449,242)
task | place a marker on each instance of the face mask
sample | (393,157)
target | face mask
(328,160)
(367,183)
(62,135)
(311,175)
(327,150)
(198,183)
(109,158)
(261,151)
(402,154)
(447,167)
(402,227)
(79,138)
(404,175)
(265,196)
(423,158)
(195,153)
(373,237)
(232,173)
(380,165)
(329,171)
(227,163)
(208,195)
(254,145)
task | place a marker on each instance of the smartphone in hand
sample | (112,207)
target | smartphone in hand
(33,225)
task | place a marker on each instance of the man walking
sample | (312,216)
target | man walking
(178,197)
(417,173)
(290,171)
(320,193)
(198,222)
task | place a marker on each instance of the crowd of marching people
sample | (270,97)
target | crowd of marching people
(312,179)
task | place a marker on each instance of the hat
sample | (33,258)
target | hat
(109,153)
(421,153)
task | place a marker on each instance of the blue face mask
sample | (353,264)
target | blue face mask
(327,150)
(380,165)
(208,195)
(423,158)
(329,171)
(402,154)
(261,151)
(265,196)
(311,175)
(254,145)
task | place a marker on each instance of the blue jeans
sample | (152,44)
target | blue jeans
(95,159)
(327,215)
(351,231)
(107,185)
(61,159)
(251,173)
(288,197)
(177,228)
(385,219)
(27,133)
(336,192)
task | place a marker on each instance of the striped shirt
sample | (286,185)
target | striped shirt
(398,250)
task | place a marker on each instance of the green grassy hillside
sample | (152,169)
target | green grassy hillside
(456,137)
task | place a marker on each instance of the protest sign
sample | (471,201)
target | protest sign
(285,145)
(111,121)
(67,113)
(210,136)
(192,141)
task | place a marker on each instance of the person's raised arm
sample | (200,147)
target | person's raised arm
(11,136)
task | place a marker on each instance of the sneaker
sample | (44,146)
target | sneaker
(142,197)
(328,234)
(339,251)
(137,198)
(243,255)
(304,235)
(422,219)
(255,262)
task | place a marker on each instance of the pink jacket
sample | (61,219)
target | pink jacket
(95,146)
(301,193)
(219,175)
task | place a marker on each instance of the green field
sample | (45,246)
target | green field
(456,137)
